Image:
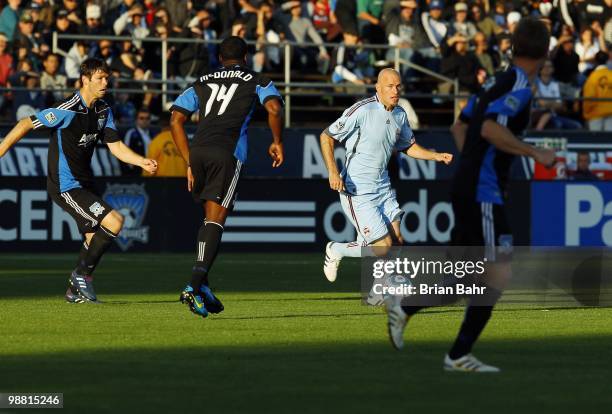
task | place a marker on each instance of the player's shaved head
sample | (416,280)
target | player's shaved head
(385,73)
(388,87)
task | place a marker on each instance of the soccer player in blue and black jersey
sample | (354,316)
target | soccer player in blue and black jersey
(76,125)
(487,134)
(224,99)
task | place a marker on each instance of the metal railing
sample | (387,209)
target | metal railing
(287,46)
(286,86)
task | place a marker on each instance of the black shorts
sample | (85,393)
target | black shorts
(484,225)
(216,174)
(86,207)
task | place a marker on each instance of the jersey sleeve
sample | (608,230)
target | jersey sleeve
(187,102)
(468,110)
(343,127)
(266,91)
(508,103)
(50,118)
(110,130)
(406,137)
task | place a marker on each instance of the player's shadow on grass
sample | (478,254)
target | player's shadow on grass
(556,375)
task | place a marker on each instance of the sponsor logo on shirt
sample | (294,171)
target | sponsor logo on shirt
(512,103)
(86,139)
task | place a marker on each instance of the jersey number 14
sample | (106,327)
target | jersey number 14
(220,94)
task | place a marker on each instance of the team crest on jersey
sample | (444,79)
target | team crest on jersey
(131,201)
(512,103)
(50,117)
(96,209)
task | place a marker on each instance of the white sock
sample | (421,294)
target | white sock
(352,249)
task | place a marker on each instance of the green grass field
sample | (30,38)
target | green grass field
(288,341)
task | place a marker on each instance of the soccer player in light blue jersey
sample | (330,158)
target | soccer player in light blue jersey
(371,130)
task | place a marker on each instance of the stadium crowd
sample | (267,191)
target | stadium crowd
(467,41)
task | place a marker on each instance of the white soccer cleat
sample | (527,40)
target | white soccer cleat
(396,322)
(467,363)
(332,262)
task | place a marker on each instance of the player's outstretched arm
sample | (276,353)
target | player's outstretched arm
(19,131)
(275,121)
(125,154)
(327,149)
(420,153)
(504,140)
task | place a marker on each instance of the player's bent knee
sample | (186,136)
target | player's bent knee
(113,221)
(381,247)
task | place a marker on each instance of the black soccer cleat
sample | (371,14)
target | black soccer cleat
(80,289)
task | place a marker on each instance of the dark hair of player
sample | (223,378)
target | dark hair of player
(233,48)
(93,65)
(530,39)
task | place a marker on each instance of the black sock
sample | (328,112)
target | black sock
(82,253)
(209,239)
(100,242)
(477,314)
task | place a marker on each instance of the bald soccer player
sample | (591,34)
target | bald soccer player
(372,129)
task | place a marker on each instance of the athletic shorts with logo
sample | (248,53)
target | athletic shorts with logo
(216,174)
(371,214)
(85,206)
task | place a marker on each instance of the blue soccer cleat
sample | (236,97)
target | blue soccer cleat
(80,289)
(195,302)
(212,303)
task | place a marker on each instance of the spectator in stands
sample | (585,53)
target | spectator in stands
(46,14)
(499,15)
(129,58)
(76,55)
(64,26)
(93,19)
(75,14)
(300,29)
(460,24)
(586,49)
(565,61)
(179,14)
(549,112)
(435,28)
(191,59)
(6,67)
(201,24)
(459,63)
(133,22)
(404,29)
(162,15)
(484,23)
(344,12)
(138,139)
(9,18)
(583,171)
(352,64)
(512,21)
(52,80)
(25,37)
(598,114)
(481,51)
(105,51)
(170,163)
(320,14)
(26,103)
(370,23)
(269,30)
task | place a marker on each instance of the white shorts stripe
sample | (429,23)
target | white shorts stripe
(78,209)
(201,248)
(232,187)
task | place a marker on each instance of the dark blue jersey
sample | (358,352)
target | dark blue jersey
(483,170)
(75,131)
(225,100)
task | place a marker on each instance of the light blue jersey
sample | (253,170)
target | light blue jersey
(370,134)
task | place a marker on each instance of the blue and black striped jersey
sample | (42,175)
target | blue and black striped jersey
(75,131)
(483,170)
(225,100)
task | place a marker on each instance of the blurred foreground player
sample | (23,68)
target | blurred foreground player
(372,129)
(491,123)
(225,100)
(77,124)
